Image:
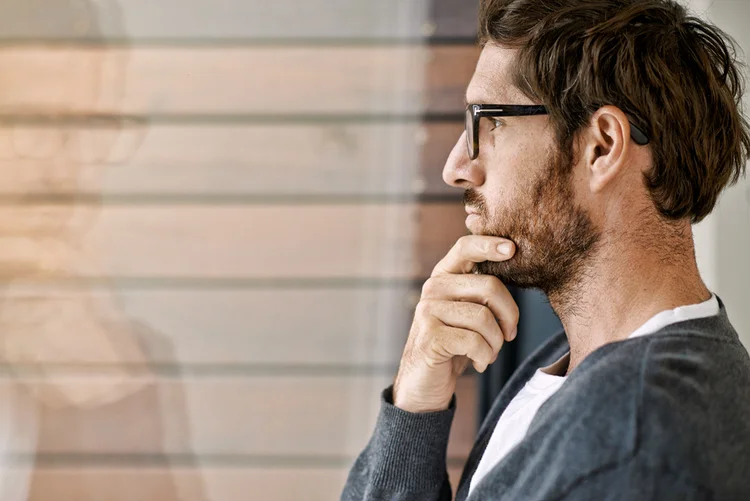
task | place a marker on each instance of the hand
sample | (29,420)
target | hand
(43,331)
(460,317)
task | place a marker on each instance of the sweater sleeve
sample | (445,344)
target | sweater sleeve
(405,459)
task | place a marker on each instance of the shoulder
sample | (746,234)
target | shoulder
(637,478)
(679,366)
(653,410)
(650,381)
(694,403)
(669,404)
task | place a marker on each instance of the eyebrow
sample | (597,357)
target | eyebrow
(479,101)
(476,101)
(466,100)
(497,89)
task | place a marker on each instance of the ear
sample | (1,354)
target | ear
(607,145)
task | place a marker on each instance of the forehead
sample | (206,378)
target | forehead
(492,81)
(48,79)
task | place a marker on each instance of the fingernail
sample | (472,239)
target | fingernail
(504,248)
(514,334)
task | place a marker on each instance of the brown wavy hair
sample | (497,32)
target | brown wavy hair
(677,77)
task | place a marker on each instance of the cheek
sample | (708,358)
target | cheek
(512,178)
(519,158)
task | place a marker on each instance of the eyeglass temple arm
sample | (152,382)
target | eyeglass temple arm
(637,135)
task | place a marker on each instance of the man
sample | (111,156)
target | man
(597,132)
(77,383)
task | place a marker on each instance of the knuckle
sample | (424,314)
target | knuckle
(515,314)
(437,346)
(498,290)
(430,287)
(477,311)
(459,337)
(425,308)
(511,313)
(483,353)
(488,358)
(493,285)
(463,244)
(483,247)
(485,315)
(475,342)
(487,350)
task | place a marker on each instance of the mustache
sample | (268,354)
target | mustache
(473,199)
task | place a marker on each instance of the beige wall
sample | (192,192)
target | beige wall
(723,239)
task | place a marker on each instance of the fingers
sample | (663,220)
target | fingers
(460,316)
(466,317)
(480,289)
(468,343)
(472,249)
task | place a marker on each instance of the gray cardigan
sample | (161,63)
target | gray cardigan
(659,417)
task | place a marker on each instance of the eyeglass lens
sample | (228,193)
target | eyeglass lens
(470,132)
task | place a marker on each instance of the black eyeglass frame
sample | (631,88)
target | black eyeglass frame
(474,112)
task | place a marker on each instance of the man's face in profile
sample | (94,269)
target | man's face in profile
(41,156)
(44,156)
(520,186)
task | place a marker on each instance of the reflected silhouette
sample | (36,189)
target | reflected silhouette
(78,391)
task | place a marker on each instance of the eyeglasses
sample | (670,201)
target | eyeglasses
(476,111)
(84,140)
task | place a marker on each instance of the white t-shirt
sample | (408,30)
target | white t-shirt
(513,424)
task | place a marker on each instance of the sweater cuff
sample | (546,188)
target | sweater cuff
(411,447)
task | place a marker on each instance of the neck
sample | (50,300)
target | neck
(625,283)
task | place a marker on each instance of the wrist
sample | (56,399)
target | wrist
(409,403)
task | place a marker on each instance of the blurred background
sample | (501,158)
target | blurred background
(215,220)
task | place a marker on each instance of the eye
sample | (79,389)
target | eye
(496,122)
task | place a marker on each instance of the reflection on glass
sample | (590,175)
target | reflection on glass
(77,381)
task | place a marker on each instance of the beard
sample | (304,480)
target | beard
(554,237)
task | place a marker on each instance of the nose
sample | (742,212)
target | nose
(460,171)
